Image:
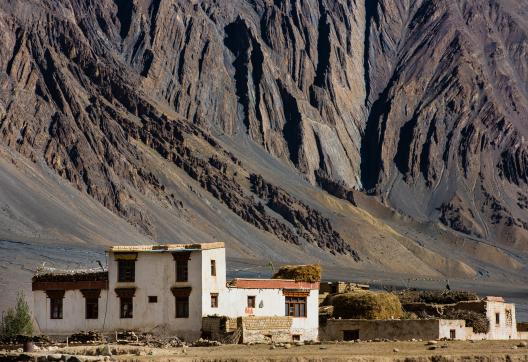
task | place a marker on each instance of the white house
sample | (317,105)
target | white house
(167,289)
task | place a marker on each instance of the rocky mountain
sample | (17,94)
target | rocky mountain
(373,134)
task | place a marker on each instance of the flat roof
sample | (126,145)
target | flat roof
(166,247)
(246,283)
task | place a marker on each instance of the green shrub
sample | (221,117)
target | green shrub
(366,305)
(17,321)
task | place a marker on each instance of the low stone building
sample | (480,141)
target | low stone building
(501,316)
(399,329)
(169,289)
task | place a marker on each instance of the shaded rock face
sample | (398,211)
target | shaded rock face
(421,103)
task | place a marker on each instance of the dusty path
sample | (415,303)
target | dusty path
(382,351)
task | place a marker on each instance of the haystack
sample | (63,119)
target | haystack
(366,305)
(300,273)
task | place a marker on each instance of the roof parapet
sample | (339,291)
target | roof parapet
(165,247)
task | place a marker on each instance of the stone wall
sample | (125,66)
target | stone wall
(265,329)
(426,329)
(219,328)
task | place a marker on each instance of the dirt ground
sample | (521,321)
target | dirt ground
(344,351)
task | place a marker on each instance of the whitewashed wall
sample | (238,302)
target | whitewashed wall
(155,276)
(73,310)
(273,305)
(213,284)
(501,330)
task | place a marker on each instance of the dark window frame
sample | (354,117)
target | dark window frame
(182,270)
(129,313)
(152,298)
(91,308)
(296,307)
(497,319)
(182,306)
(57,312)
(251,301)
(214,300)
(126,271)
(213,267)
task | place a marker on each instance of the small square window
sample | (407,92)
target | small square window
(214,300)
(251,301)
(153,299)
(296,337)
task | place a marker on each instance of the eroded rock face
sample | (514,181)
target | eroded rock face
(421,103)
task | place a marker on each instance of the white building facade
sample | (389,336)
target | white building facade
(167,289)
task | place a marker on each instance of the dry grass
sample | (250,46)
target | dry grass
(301,273)
(366,305)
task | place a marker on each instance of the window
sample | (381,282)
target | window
(56,308)
(91,303)
(182,307)
(55,297)
(452,333)
(296,337)
(181,296)
(509,319)
(126,270)
(126,307)
(214,300)
(92,308)
(152,299)
(351,335)
(182,270)
(251,301)
(296,306)
(213,268)
(497,318)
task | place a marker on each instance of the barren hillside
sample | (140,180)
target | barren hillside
(370,135)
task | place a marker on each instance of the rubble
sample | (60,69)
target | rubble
(82,337)
(205,343)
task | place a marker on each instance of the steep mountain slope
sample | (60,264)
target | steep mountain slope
(267,124)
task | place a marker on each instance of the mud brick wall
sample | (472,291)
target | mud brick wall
(337,329)
(264,329)
(218,327)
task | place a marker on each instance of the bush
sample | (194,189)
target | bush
(366,305)
(300,273)
(17,321)
(436,296)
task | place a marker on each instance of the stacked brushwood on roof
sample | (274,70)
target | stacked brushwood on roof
(447,304)
(436,296)
(365,305)
(300,273)
(74,275)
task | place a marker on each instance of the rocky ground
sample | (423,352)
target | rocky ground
(343,351)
